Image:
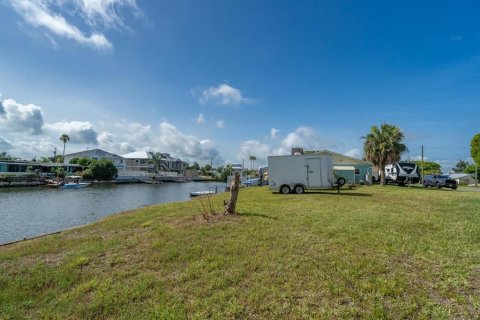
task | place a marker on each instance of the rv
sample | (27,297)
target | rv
(296,173)
(402,173)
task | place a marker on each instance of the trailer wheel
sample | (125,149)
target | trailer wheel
(299,189)
(341,181)
(284,189)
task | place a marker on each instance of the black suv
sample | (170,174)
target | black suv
(439,181)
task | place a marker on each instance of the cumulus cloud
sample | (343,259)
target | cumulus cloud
(18,117)
(4,144)
(419,158)
(308,139)
(274,133)
(107,142)
(140,132)
(2,108)
(50,15)
(354,153)
(200,118)
(79,132)
(185,146)
(220,124)
(223,94)
(255,148)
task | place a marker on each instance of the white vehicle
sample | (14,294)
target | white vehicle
(402,172)
(297,173)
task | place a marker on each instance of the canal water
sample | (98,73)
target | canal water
(33,211)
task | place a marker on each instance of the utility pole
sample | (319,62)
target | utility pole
(422,164)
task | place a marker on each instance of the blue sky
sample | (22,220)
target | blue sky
(222,80)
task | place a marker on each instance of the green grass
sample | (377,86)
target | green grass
(374,252)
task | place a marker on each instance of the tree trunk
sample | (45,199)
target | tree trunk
(234,187)
(382,175)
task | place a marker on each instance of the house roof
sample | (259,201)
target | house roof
(136,155)
(342,156)
(461,175)
(92,152)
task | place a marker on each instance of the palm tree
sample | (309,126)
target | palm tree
(157,159)
(252,161)
(65,138)
(383,146)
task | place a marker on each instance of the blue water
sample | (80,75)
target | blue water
(33,211)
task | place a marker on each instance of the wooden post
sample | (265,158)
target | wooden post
(234,188)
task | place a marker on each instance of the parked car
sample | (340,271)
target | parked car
(439,181)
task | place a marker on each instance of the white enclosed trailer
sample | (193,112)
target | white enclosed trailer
(296,173)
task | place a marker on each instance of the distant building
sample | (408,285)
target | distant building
(20,167)
(138,163)
(170,164)
(464,178)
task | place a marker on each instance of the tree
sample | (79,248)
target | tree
(471,169)
(64,138)
(383,146)
(460,166)
(234,189)
(5,156)
(429,167)
(157,159)
(103,169)
(475,153)
(194,166)
(252,161)
(81,161)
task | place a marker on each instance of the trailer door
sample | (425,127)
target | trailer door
(314,173)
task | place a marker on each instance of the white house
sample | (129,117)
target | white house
(464,178)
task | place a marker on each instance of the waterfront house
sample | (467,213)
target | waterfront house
(21,167)
(172,165)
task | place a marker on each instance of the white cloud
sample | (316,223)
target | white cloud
(254,148)
(107,142)
(17,117)
(50,16)
(307,138)
(79,132)
(354,153)
(274,133)
(105,12)
(419,158)
(225,95)
(200,118)
(220,124)
(4,144)
(185,146)
(139,132)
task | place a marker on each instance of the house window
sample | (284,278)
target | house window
(357,171)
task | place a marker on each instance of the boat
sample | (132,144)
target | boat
(54,183)
(70,182)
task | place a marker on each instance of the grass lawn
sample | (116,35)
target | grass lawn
(374,252)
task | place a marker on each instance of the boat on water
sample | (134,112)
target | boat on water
(70,182)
